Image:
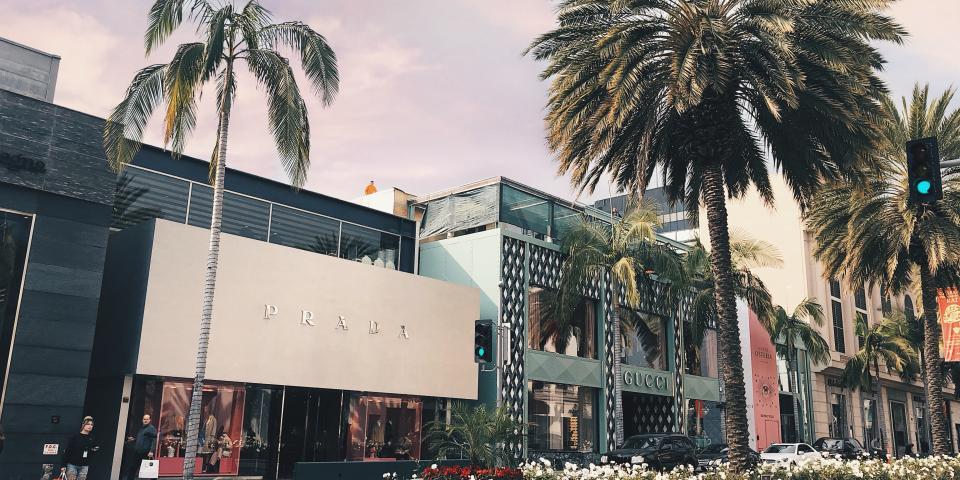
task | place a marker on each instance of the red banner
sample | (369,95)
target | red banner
(948,303)
(766,385)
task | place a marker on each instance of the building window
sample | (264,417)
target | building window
(871,428)
(923,432)
(529,212)
(14,238)
(576,337)
(384,427)
(243,216)
(838,415)
(836,309)
(860,306)
(370,247)
(643,339)
(562,417)
(704,422)
(142,195)
(701,356)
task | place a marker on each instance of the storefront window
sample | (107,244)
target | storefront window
(871,429)
(562,417)
(369,246)
(701,358)
(261,426)
(838,415)
(384,427)
(923,436)
(14,237)
(220,440)
(576,337)
(704,422)
(643,339)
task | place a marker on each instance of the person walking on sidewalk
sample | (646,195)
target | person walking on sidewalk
(141,447)
(76,457)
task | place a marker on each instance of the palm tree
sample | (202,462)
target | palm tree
(797,329)
(626,249)
(231,36)
(477,433)
(867,233)
(882,342)
(700,90)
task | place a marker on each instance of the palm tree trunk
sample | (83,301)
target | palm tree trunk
(731,358)
(617,376)
(933,371)
(209,283)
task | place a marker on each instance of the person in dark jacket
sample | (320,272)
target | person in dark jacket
(76,457)
(141,447)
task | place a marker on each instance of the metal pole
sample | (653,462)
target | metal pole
(950,163)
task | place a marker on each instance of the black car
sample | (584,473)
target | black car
(717,453)
(662,451)
(845,448)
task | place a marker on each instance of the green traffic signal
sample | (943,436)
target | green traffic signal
(481,351)
(923,187)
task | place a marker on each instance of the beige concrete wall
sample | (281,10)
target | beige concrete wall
(332,347)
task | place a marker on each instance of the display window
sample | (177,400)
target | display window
(384,427)
(562,417)
(221,421)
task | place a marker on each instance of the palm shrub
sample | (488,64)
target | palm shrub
(478,433)
(231,37)
(699,90)
(867,233)
(791,331)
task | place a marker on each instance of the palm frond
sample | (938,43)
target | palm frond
(317,58)
(126,123)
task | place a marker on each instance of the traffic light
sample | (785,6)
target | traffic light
(483,341)
(923,171)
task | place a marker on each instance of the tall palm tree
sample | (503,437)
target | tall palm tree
(881,342)
(626,249)
(699,90)
(798,329)
(231,37)
(868,234)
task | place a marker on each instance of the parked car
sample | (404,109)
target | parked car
(788,453)
(662,451)
(845,448)
(717,454)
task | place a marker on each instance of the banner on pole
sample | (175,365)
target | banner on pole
(948,306)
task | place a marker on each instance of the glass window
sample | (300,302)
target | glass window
(838,415)
(562,417)
(704,422)
(142,195)
(305,231)
(701,358)
(871,429)
(564,220)
(261,429)
(369,246)
(243,216)
(220,439)
(524,210)
(14,237)
(384,427)
(577,337)
(643,339)
(923,435)
(836,309)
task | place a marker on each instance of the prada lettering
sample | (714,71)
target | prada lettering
(17,163)
(340,323)
(648,380)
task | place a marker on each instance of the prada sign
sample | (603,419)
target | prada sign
(308,319)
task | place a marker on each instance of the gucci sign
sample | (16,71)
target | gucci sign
(649,380)
(307,319)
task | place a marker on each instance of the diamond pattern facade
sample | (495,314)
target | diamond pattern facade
(512,306)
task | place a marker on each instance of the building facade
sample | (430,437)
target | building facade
(503,238)
(895,414)
(55,202)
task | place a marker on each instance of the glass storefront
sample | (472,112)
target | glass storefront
(643,339)
(562,417)
(838,415)
(704,422)
(577,337)
(871,427)
(14,238)
(701,357)
(263,431)
(922,425)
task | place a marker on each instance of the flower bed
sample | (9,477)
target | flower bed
(930,468)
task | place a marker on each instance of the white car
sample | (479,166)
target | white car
(788,453)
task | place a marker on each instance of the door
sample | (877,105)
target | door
(310,429)
(898,415)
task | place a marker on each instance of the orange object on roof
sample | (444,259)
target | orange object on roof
(371,188)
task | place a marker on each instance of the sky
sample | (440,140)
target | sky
(434,93)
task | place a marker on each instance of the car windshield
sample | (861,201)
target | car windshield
(828,444)
(638,443)
(715,448)
(781,448)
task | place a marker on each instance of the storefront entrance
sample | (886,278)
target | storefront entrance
(310,429)
(898,416)
(644,413)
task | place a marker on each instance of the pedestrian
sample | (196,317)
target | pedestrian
(2,438)
(76,457)
(141,447)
